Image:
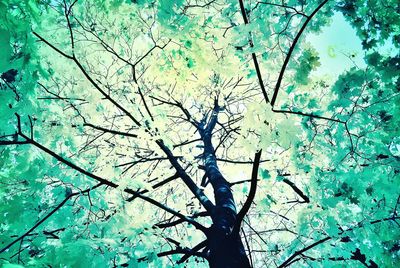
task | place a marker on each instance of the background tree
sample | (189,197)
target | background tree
(198,133)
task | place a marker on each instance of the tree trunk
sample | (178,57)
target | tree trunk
(226,250)
(226,247)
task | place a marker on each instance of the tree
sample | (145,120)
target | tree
(193,133)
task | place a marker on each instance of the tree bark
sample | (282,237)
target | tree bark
(226,251)
(226,247)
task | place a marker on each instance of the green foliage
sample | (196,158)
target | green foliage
(375,24)
(332,139)
(308,61)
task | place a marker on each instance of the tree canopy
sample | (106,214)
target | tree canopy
(171,133)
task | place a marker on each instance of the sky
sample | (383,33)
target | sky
(335,43)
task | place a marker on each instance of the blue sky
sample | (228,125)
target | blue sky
(334,43)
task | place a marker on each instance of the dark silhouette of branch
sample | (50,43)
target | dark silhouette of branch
(186,7)
(145,103)
(280,5)
(309,115)
(155,186)
(125,134)
(176,222)
(13,142)
(239,161)
(56,96)
(222,192)
(189,118)
(54,210)
(52,234)
(90,79)
(248,247)
(252,193)
(356,255)
(141,160)
(114,102)
(104,181)
(52,46)
(290,52)
(197,192)
(253,55)
(67,13)
(164,207)
(297,253)
(182,251)
(323,118)
(297,190)
(61,159)
(194,251)
(111,50)
(240,182)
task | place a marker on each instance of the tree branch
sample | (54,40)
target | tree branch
(252,193)
(90,79)
(13,142)
(297,190)
(181,251)
(155,186)
(52,46)
(290,52)
(60,205)
(289,260)
(197,192)
(194,252)
(164,207)
(61,159)
(253,55)
(110,130)
(179,221)
(106,182)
